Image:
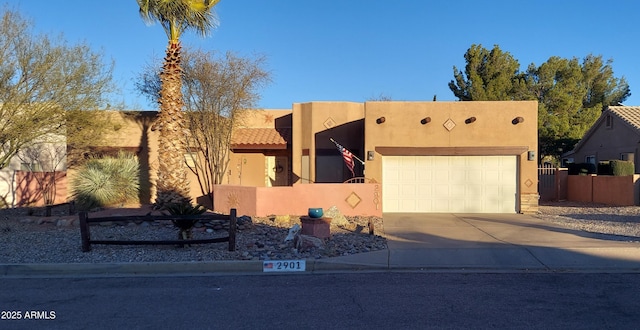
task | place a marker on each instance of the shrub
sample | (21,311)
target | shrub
(107,181)
(622,167)
(185,225)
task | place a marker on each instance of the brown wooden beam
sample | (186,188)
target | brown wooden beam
(452,151)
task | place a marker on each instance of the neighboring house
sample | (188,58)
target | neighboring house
(464,157)
(35,174)
(615,135)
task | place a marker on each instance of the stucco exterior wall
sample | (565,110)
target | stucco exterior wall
(350,199)
(492,133)
(317,122)
(131,130)
(249,167)
(355,126)
(262,118)
(31,185)
(47,156)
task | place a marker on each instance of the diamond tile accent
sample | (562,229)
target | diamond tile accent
(528,183)
(449,124)
(329,123)
(353,200)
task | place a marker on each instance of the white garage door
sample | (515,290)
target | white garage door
(457,184)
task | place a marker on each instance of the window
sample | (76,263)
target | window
(590,159)
(567,161)
(609,122)
(190,159)
(627,156)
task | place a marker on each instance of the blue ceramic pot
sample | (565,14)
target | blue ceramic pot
(315,212)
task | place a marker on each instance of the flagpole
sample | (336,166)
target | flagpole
(354,156)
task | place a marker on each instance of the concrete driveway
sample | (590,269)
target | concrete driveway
(495,242)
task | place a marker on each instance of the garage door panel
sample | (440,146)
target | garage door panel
(469,184)
(441,176)
(392,191)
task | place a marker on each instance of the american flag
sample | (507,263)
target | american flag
(347,156)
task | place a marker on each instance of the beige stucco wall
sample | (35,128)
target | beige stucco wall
(132,129)
(492,133)
(492,130)
(262,118)
(310,119)
(248,167)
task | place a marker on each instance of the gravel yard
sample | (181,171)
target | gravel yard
(623,221)
(29,237)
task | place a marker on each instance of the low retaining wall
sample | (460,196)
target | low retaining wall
(610,190)
(354,199)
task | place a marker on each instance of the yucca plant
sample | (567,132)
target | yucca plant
(107,181)
(185,226)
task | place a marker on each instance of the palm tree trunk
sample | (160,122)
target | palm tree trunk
(172,185)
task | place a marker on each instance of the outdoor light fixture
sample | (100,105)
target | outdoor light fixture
(425,120)
(470,120)
(381,120)
(517,120)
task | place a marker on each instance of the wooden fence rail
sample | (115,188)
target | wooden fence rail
(87,241)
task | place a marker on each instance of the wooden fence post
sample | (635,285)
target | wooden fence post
(84,232)
(232,230)
(72,207)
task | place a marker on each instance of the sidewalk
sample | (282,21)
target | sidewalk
(420,242)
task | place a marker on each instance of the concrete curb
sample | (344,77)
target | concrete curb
(254,267)
(114,269)
(166,268)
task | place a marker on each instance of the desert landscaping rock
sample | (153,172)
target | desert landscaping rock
(33,238)
(622,222)
(36,239)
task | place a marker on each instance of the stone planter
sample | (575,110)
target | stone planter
(317,227)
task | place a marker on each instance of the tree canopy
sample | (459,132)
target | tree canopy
(571,93)
(46,86)
(217,90)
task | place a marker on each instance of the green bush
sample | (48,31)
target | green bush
(107,181)
(622,167)
(185,225)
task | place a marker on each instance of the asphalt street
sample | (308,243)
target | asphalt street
(383,300)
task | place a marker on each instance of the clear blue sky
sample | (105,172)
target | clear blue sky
(354,50)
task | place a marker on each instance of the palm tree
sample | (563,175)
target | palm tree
(176,17)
